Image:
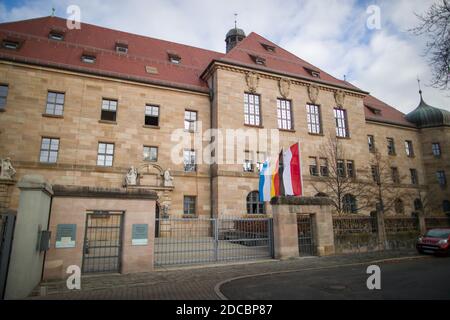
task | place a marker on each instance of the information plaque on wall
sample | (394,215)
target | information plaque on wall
(65,236)
(139,235)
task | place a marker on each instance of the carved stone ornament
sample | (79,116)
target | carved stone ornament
(339,96)
(131,179)
(6,169)
(252,79)
(313,93)
(168,179)
(285,86)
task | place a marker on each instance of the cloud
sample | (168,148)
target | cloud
(330,34)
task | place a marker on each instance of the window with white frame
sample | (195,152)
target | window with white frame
(151,115)
(340,117)
(409,148)
(284,114)
(55,103)
(150,153)
(109,110)
(105,155)
(49,150)
(189,205)
(189,161)
(190,120)
(252,111)
(313,119)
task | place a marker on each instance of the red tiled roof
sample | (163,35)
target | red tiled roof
(37,48)
(384,112)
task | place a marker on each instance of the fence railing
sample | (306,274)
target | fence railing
(401,224)
(355,234)
(437,222)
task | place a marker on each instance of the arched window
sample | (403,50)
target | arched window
(446,206)
(418,206)
(349,204)
(399,206)
(254,206)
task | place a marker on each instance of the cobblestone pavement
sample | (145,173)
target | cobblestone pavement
(193,283)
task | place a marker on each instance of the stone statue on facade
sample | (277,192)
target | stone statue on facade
(6,169)
(168,179)
(131,178)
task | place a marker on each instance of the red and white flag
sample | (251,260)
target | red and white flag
(292,175)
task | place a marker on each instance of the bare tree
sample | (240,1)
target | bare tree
(339,183)
(428,198)
(386,180)
(435,25)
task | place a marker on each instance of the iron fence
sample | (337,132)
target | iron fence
(211,240)
(437,222)
(355,234)
(306,235)
(401,232)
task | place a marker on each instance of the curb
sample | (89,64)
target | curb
(387,260)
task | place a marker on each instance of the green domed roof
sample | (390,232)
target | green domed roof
(235,32)
(427,116)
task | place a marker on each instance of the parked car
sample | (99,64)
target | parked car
(435,241)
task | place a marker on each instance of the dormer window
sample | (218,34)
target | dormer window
(268,47)
(54,35)
(374,110)
(174,57)
(122,47)
(313,73)
(258,60)
(10,44)
(88,58)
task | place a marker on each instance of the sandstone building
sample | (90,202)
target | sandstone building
(81,107)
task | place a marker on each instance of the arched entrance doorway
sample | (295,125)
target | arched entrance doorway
(157,210)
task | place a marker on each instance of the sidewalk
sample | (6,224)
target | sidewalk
(194,283)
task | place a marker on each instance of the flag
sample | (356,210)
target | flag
(265,182)
(275,186)
(291,176)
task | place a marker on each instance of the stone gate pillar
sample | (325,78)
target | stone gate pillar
(285,211)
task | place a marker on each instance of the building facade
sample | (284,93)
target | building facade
(103,108)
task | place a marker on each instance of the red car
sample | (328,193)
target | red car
(436,241)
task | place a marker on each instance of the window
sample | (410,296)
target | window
(391,146)
(399,207)
(375,174)
(105,154)
(371,143)
(442,179)
(121,47)
(414,177)
(109,110)
(436,148)
(3,96)
(340,116)
(350,169)
(313,118)
(284,114)
(55,103)
(313,168)
(189,161)
(189,205)
(258,59)
(190,121)
(254,206)
(341,168)
(10,44)
(418,206)
(251,110)
(150,154)
(248,162)
(174,57)
(49,150)
(349,204)
(151,115)
(268,47)
(409,148)
(395,175)
(54,35)
(324,167)
(446,206)
(88,58)
(312,72)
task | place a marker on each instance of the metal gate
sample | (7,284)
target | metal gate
(7,223)
(102,248)
(193,241)
(306,242)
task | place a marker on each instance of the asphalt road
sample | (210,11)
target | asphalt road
(414,279)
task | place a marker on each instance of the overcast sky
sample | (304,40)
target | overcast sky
(331,34)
